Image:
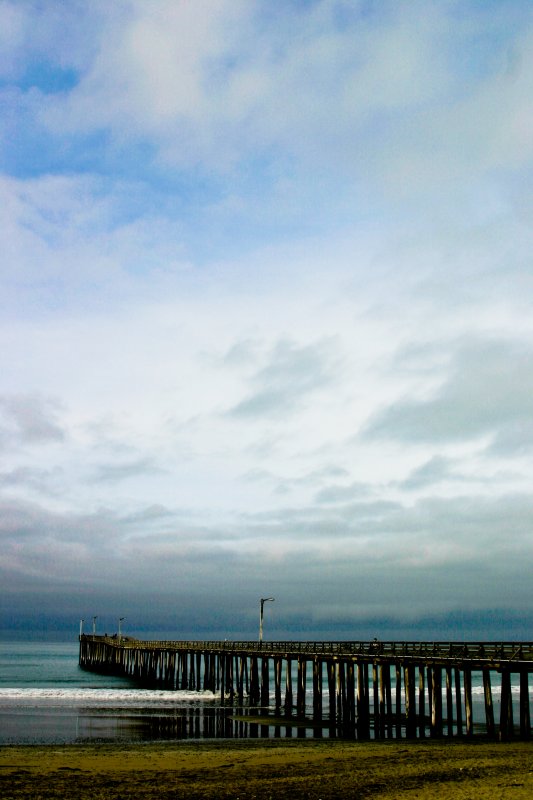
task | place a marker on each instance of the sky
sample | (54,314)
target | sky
(266,320)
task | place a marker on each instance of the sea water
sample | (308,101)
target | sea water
(45,697)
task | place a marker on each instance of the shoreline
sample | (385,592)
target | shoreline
(263,768)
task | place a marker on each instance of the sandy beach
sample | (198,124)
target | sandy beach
(270,769)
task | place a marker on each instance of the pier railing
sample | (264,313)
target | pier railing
(479,652)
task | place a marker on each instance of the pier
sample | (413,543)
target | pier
(353,689)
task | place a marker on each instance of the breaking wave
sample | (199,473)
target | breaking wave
(101,697)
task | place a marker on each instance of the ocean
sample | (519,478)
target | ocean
(45,698)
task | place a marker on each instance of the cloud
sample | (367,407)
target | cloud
(11,27)
(435,558)
(291,374)
(514,440)
(486,390)
(78,241)
(223,85)
(27,478)
(285,484)
(149,74)
(342,494)
(29,419)
(118,472)
(436,470)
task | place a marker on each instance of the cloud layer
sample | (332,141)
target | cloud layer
(266,317)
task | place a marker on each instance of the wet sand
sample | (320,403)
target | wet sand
(265,769)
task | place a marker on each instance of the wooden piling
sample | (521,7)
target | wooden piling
(301,685)
(265,681)
(421,701)
(469,710)
(525,715)
(375,696)
(363,701)
(410,703)
(458,703)
(278,668)
(436,700)
(398,674)
(506,707)
(330,672)
(317,688)
(489,709)
(449,701)
(288,686)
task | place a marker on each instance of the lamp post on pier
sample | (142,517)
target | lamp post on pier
(121,619)
(263,601)
(94,625)
(81,626)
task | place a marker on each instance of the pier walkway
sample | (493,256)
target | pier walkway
(357,689)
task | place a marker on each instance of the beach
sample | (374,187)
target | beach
(264,769)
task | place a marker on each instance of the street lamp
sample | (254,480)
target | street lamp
(94,625)
(263,601)
(121,619)
(81,626)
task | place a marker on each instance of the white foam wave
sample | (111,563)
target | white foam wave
(101,697)
(477,691)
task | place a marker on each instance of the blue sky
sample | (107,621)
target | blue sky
(266,329)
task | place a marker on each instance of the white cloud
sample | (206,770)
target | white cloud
(150,74)
(11,36)
(216,83)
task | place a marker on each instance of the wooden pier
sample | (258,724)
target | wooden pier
(358,689)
